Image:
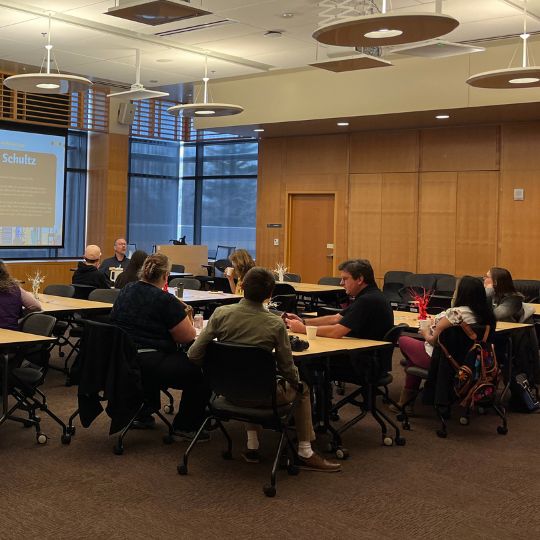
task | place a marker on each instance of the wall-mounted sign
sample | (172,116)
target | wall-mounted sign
(274,225)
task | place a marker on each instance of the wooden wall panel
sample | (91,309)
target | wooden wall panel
(54,272)
(437,223)
(270,207)
(384,151)
(399,223)
(519,224)
(319,154)
(468,148)
(107,190)
(476,222)
(520,144)
(365,209)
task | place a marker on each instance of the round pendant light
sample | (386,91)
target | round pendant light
(385,29)
(47,83)
(205,109)
(520,77)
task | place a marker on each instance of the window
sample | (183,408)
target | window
(205,191)
(75,206)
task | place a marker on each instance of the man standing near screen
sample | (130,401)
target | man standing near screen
(119,259)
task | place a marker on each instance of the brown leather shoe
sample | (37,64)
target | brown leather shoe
(318,463)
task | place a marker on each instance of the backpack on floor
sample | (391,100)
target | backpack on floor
(477,378)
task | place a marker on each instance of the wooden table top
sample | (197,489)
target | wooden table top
(536,308)
(325,346)
(51,303)
(307,288)
(412,320)
(14,337)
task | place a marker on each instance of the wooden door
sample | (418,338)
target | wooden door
(310,226)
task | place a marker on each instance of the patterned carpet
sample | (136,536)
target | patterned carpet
(475,484)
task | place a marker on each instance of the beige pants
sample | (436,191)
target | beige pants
(302,413)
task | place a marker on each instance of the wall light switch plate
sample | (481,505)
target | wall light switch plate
(519,194)
(276,241)
(329,246)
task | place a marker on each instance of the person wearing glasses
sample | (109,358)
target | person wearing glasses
(119,259)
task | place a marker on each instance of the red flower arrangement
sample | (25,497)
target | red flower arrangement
(422,301)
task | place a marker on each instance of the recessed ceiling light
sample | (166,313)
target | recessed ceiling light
(287,15)
(343,124)
(163,60)
(258,130)
(442,116)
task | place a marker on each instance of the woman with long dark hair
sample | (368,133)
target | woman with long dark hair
(470,306)
(131,273)
(13,299)
(500,289)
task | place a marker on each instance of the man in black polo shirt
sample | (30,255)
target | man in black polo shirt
(370,315)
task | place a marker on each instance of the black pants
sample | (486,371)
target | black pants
(174,370)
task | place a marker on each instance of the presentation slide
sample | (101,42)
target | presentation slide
(32,171)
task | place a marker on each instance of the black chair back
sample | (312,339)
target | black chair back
(296,278)
(224,252)
(108,296)
(240,372)
(220,265)
(40,324)
(283,288)
(59,289)
(445,286)
(392,336)
(529,288)
(188,283)
(180,268)
(285,302)
(418,283)
(221,284)
(82,291)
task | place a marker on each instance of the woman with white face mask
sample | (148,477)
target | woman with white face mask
(500,289)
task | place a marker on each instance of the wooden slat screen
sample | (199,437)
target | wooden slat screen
(152,121)
(80,110)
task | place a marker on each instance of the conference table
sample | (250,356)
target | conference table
(536,309)
(10,341)
(61,304)
(311,288)
(321,349)
(194,297)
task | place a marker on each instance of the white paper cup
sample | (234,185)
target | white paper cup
(424,323)
(311,332)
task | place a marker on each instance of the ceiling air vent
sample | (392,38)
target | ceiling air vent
(193,28)
(436,49)
(155,12)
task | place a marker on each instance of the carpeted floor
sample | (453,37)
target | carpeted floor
(475,484)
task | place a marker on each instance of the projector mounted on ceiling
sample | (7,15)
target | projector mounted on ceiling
(154,12)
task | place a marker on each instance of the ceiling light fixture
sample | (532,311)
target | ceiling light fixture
(525,76)
(381,28)
(194,110)
(343,124)
(138,91)
(259,130)
(47,82)
(442,116)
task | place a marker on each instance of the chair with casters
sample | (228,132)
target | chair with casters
(188,283)
(61,326)
(245,374)
(370,384)
(394,281)
(107,369)
(29,374)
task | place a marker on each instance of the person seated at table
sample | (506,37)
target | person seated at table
(470,306)
(131,273)
(508,306)
(87,272)
(157,320)
(369,316)
(249,323)
(14,300)
(507,301)
(241,262)
(119,259)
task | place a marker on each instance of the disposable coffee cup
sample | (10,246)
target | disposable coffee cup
(311,332)
(179,291)
(424,323)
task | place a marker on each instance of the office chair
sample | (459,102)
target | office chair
(529,288)
(284,298)
(418,283)
(179,268)
(295,278)
(26,378)
(241,373)
(331,299)
(107,369)
(393,282)
(82,291)
(371,383)
(224,252)
(188,283)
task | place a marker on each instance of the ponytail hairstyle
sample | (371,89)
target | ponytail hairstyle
(155,267)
